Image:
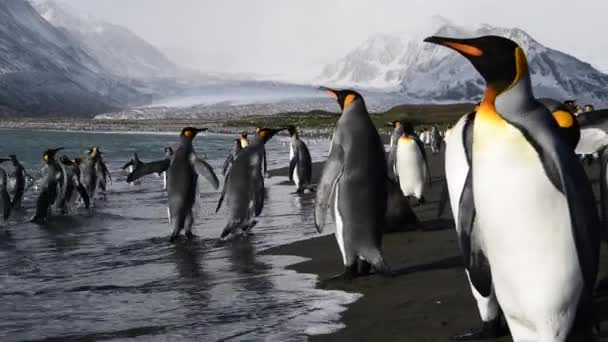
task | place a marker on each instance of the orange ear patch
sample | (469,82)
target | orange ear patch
(464,48)
(188,134)
(563,118)
(349,99)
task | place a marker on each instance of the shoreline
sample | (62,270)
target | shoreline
(429,298)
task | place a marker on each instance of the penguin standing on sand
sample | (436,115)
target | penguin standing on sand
(5,200)
(49,188)
(183,170)
(236,149)
(392,154)
(244,186)
(300,163)
(411,166)
(353,186)
(20,181)
(533,204)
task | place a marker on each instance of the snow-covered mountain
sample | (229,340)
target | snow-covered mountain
(116,48)
(44,71)
(426,72)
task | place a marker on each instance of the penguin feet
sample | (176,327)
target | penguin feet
(488,330)
(190,235)
(173,238)
(38,220)
(350,273)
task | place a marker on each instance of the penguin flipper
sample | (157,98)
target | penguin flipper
(293,163)
(424,158)
(332,171)
(604,191)
(475,261)
(221,200)
(203,169)
(145,169)
(227,163)
(444,198)
(127,164)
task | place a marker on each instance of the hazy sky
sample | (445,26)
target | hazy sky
(287,37)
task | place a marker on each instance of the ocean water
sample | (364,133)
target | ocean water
(110,273)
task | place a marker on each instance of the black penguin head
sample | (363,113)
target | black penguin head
(94,151)
(49,155)
(589,108)
(65,160)
(265,134)
(191,132)
(168,151)
(237,142)
(500,61)
(244,135)
(344,97)
(292,130)
(13,157)
(77,161)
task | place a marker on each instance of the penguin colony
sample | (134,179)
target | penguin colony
(507,163)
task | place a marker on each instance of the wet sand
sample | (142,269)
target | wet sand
(429,298)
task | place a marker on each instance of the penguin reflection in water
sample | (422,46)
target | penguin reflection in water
(543,267)
(183,170)
(244,185)
(353,186)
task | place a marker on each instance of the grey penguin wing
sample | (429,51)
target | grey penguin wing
(257,187)
(127,164)
(145,169)
(332,171)
(83,194)
(567,174)
(203,169)
(221,200)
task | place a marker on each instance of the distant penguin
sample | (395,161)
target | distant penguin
(183,170)
(50,186)
(392,155)
(236,148)
(354,186)
(20,181)
(435,140)
(168,155)
(243,188)
(300,162)
(533,204)
(103,174)
(411,165)
(129,166)
(5,200)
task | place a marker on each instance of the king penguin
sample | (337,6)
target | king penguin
(103,174)
(244,185)
(237,146)
(20,181)
(533,203)
(183,170)
(132,164)
(411,167)
(436,140)
(89,172)
(50,186)
(392,154)
(353,186)
(300,163)
(71,170)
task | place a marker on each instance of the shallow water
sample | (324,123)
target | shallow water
(111,274)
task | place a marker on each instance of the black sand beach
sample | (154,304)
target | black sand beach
(429,298)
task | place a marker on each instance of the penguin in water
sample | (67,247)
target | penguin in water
(103,174)
(236,148)
(168,155)
(71,170)
(244,186)
(300,163)
(534,208)
(392,154)
(183,170)
(89,172)
(132,164)
(435,140)
(5,200)
(353,186)
(411,167)
(20,180)
(52,182)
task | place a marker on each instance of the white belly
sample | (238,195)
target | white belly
(527,235)
(410,168)
(339,224)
